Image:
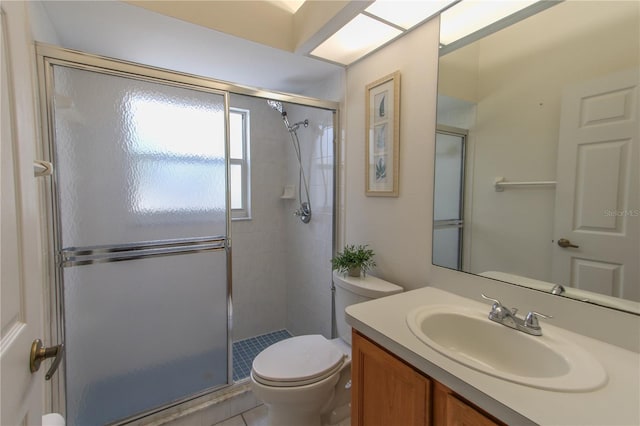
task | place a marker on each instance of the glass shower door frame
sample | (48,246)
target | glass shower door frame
(48,57)
(459,221)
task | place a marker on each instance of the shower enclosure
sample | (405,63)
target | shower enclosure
(147,181)
(140,204)
(281,265)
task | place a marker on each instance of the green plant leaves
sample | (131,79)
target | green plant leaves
(354,256)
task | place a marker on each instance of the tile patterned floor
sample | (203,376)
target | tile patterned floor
(258,417)
(254,417)
(244,351)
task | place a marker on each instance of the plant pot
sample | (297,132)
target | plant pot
(354,272)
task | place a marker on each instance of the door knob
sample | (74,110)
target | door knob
(564,243)
(40,353)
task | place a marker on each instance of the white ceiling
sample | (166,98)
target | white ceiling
(123,31)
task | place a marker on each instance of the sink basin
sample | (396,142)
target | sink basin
(467,336)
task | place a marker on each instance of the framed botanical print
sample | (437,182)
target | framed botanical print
(382,136)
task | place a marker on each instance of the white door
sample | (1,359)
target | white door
(21,266)
(598,184)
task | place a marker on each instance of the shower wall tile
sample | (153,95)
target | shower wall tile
(281,267)
(310,245)
(259,252)
(322,200)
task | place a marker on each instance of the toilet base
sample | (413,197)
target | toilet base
(295,406)
(326,403)
(339,416)
(323,403)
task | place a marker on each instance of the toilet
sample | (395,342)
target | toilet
(306,380)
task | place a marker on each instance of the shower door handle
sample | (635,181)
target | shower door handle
(39,353)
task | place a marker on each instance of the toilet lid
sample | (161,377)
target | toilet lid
(297,361)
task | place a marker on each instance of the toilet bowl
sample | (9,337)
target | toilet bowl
(306,380)
(297,377)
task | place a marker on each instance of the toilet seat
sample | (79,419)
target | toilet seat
(297,361)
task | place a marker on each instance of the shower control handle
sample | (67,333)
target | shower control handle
(304,212)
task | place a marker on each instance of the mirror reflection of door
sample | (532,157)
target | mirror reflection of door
(597,191)
(448,210)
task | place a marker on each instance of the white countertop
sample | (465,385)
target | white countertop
(616,403)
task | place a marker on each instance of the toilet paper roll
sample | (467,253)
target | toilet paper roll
(53,419)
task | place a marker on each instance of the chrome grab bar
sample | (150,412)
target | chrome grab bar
(500,184)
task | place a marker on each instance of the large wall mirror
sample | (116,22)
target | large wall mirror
(537,153)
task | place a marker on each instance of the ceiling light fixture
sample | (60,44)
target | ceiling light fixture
(381,22)
(357,38)
(406,14)
(385,20)
(469,16)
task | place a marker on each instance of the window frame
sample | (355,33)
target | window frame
(245,165)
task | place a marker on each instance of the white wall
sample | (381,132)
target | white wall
(41,26)
(397,229)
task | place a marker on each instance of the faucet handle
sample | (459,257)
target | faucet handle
(495,301)
(498,310)
(531,320)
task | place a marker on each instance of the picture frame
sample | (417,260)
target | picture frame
(382,136)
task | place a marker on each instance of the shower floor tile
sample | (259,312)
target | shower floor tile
(244,351)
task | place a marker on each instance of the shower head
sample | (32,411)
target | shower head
(277,105)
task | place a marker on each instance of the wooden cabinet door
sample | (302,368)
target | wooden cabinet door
(449,410)
(386,391)
(461,414)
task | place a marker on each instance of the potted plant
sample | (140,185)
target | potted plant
(354,260)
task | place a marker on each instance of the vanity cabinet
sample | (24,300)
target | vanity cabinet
(386,391)
(451,410)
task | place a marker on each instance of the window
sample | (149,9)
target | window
(177,150)
(176,163)
(240,181)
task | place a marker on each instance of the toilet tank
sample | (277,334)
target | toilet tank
(352,290)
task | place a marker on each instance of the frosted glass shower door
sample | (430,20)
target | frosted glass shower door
(140,190)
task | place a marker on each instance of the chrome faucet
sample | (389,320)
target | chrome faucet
(507,317)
